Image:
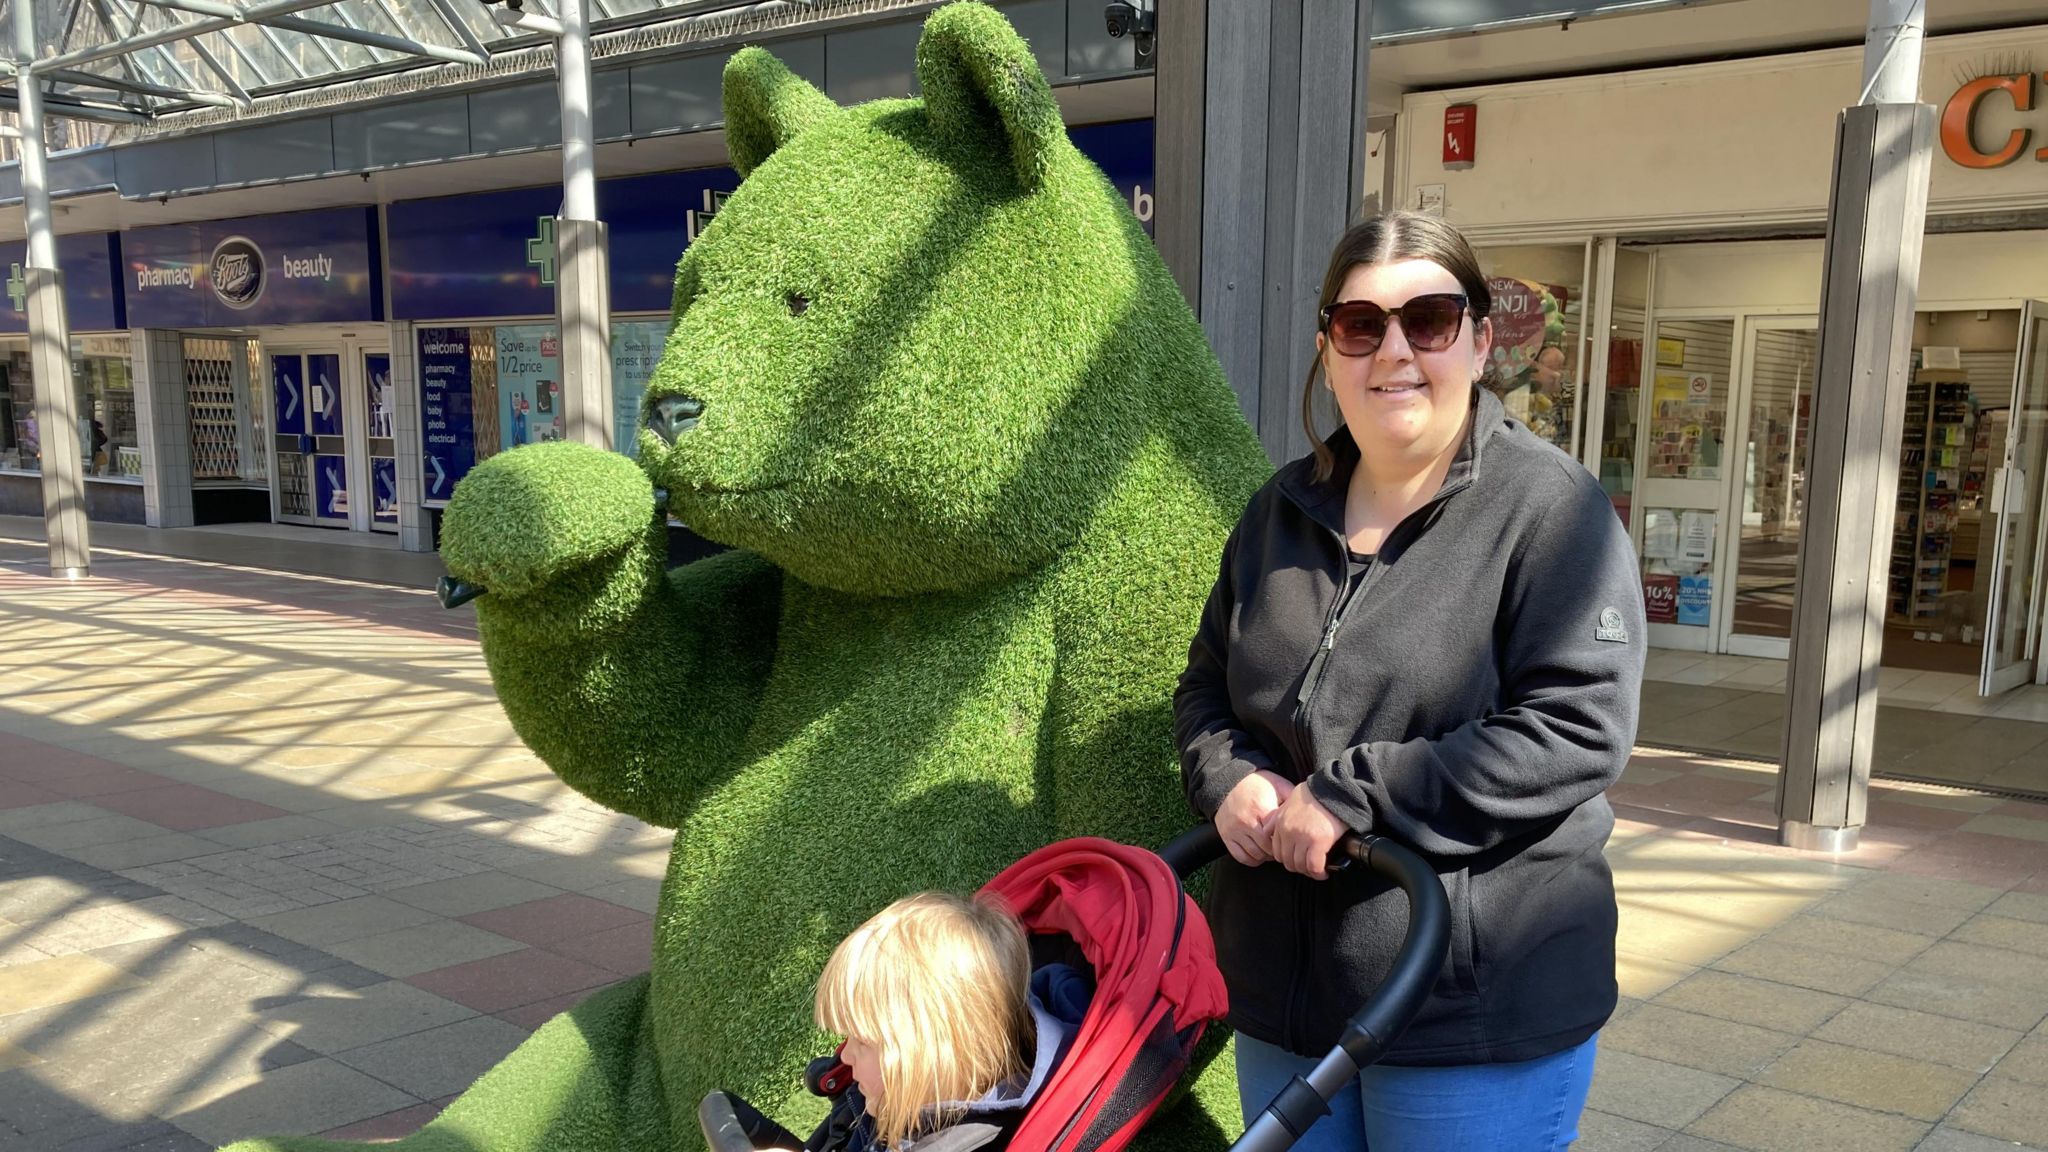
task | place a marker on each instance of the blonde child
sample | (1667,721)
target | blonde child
(945,1032)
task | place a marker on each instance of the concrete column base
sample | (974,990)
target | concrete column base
(1816,838)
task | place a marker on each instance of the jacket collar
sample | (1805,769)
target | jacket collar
(1324,502)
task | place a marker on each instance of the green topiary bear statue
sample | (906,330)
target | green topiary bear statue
(932,384)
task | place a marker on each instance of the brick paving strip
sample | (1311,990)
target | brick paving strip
(271,859)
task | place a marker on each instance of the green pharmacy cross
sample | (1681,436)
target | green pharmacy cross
(540,250)
(17,288)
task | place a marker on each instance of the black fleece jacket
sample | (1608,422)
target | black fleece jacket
(1472,698)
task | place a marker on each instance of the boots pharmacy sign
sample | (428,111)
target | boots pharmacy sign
(298,268)
(1972,120)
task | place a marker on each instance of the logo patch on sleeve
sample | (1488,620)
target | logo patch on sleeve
(1611,627)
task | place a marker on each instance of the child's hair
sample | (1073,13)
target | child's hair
(939,986)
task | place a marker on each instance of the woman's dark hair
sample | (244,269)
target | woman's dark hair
(1387,239)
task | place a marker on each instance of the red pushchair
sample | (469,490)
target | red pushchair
(1122,911)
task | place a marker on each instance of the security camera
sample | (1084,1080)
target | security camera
(514,17)
(1133,18)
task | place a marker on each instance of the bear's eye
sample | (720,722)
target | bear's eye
(798,303)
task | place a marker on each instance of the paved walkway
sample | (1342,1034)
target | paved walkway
(272,860)
(370,557)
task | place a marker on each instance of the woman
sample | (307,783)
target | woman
(1431,629)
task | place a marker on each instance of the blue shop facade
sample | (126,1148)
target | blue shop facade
(344,368)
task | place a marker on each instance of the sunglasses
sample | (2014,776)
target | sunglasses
(1431,323)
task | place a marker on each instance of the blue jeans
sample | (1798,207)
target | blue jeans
(1532,1106)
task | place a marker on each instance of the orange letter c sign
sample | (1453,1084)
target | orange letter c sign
(1960,116)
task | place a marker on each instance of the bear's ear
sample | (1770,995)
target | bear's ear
(977,73)
(765,106)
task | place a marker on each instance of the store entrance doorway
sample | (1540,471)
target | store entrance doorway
(333,444)
(2014,517)
(1969,546)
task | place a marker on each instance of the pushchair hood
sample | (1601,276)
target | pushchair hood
(1156,986)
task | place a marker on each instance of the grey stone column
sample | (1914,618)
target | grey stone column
(1869,285)
(1266,100)
(163,424)
(583,301)
(49,331)
(57,416)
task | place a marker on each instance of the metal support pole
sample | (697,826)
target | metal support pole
(1179,79)
(49,333)
(1870,283)
(583,282)
(1251,195)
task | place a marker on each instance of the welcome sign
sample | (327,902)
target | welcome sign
(298,268)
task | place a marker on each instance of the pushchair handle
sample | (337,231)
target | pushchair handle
(1393,1006)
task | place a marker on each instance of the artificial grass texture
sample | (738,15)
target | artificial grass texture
(976,479)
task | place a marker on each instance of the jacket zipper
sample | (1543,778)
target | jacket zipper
(1297,987)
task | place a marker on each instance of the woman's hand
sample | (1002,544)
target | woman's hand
(1245,815)
(1302,835)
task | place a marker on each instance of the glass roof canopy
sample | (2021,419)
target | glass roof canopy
(129,60)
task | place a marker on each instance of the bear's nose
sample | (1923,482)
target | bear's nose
(672,416)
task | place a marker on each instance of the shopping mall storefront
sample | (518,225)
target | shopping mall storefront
(102,377)
(1646,334)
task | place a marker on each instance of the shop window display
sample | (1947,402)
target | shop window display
(1689,399)
(1620,419)
(1538,310)
(488,388)
(108,443)
(1687,414)
(636,349)
(1958,411)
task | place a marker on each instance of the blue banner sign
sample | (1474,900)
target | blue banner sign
(300,268)
(447,418)
(493,254)
(1123,151)
(92,293)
